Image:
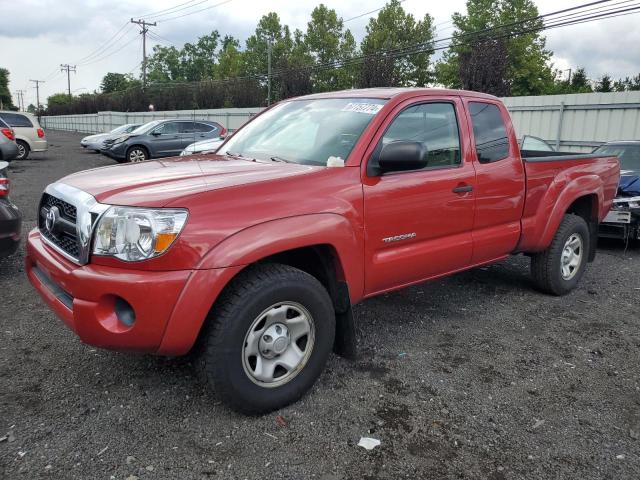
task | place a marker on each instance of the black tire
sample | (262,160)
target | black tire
(23,150)
(546,266)
(224,336)
(137,154)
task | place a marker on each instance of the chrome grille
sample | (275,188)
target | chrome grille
(66,239)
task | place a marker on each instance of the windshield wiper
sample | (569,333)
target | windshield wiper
(280,159)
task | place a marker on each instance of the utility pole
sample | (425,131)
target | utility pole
(20,95)
(143,32)
(68,68)
(37,87)
(269,48)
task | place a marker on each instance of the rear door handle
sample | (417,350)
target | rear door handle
(463,189)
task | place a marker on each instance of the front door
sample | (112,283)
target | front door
(418,223)
(165,140)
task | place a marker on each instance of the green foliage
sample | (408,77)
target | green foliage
(117,82)
(524,63)
(5,95)
(193,62)
(327,42)
(58,99)
(393,28)
(605,84)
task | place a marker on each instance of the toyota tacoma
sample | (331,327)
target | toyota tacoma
(252,258)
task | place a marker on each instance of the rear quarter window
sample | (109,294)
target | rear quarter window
(16,120)
(490,132)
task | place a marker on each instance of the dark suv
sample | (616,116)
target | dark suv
(160,138)
(10,217)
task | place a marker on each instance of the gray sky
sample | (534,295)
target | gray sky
(46,33)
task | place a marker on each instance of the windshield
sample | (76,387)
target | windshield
(146,127)
(119,129)
(305,131)
(629,155)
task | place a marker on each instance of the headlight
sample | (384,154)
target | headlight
(133,234)
(121,139)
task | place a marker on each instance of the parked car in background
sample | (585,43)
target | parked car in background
(96,142)
(30,136)
(8,145)
(10,217)
(623,221)
(161,138)
(534,144)
(256,254)
(203,146)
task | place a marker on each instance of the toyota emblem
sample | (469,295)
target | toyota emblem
(52,219)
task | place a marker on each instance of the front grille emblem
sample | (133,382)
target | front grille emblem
(51,219)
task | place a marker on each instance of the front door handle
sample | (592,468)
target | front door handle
(463,189)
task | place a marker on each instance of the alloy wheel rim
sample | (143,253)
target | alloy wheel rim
(21,150)
(278,344)
(136,156)
(571,257)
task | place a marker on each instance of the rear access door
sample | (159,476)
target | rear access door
(418,223)
(500,181)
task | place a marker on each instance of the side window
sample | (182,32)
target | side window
(186,127)
(492,142)
(434,124)
(16,120)
(203,127)
(168,128)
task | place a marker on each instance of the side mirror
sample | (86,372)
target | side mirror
(401,155)
(155,133)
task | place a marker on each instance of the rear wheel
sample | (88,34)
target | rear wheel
(268,338)
(137,154)
(560,267)
(23,150)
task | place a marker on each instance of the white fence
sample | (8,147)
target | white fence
(230,118)
(576,122)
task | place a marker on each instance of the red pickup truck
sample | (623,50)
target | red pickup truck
(254,256)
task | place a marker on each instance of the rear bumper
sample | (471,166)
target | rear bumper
(39,145)
(169,306)
(8,151)
(10,227)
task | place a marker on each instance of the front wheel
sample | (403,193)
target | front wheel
(559,268)
(137,154)
(268,338)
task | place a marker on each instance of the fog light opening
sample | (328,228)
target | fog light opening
(125,313)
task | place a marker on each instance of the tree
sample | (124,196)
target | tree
(269,29)
(31,108)
(605,84)
(579,82)
(5,96)
(193,62)
(230,59)
(484,67)
(327,42)
(114,82)
(509,29)
(394,29)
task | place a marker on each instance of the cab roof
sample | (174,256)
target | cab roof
(392,92)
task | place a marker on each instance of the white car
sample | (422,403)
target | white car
(29,135)
(94,142)
(203,146)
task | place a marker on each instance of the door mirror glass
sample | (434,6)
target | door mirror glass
(403,155)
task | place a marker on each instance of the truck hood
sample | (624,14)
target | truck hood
(629,184)
(158,183)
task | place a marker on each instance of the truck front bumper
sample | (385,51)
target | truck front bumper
(123,309)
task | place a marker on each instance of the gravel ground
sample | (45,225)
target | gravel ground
(474,376)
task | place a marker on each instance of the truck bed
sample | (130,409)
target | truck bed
(554,180)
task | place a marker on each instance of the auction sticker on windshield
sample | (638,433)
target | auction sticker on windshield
(369,108)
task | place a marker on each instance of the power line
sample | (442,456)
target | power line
(153,14)
(367,13)
(493,33)
(195,11)
(104,57)
(145,29)
(103,47)
(68,68)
